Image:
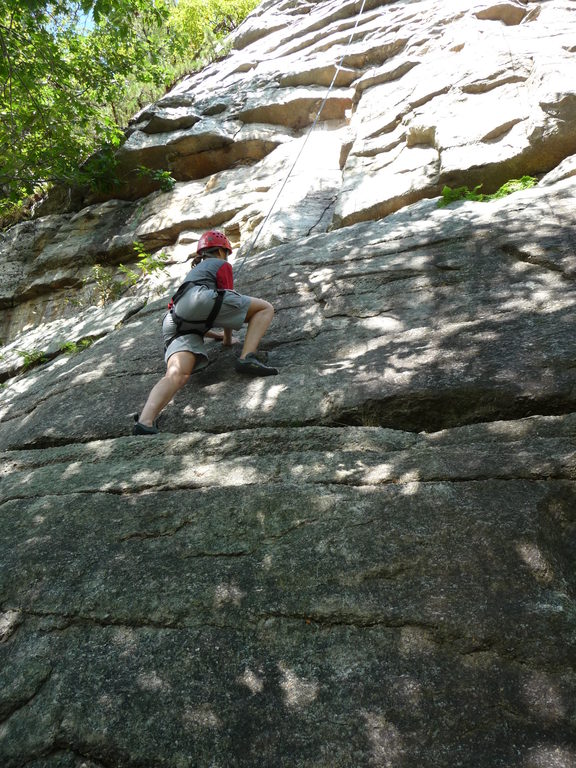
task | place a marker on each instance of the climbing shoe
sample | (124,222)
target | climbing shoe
(142,429)
(251,366)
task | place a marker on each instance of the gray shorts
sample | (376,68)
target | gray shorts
(195,306)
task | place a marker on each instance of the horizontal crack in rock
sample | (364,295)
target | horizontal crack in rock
(448,410)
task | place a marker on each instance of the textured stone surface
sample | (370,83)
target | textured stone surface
(430,318)
(368,560)
(416,104)
(356,587)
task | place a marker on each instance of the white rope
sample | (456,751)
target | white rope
(337,69)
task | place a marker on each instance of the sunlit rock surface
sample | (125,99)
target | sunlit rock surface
(367,560)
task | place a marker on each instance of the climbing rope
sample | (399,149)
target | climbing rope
(338,68)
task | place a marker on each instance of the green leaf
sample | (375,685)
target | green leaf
(450,195)
(73,71)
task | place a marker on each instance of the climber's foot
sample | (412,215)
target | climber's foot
(251,366)
(143,429)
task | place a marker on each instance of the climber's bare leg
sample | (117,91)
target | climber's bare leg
(178,370)
(258,317)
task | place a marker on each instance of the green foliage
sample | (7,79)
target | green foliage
(514,185)
(131,277)
(74,347)
(200,24)
(450,195)
(99,171)
(32,357)
(150,263)
(163,178)
(108,286)
(59,69)
(73,71)
(14,212)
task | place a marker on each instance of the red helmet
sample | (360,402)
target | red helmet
(213,239)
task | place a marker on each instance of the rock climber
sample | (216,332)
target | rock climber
(205,299)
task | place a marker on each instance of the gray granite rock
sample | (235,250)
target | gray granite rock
(432,318)
(359,585)
(367,560)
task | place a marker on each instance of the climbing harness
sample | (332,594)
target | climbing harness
(180,321)
(209,240)
(338,68)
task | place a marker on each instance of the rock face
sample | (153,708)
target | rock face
(368,560)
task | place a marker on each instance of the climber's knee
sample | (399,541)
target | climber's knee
(179,369)
(178,379)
